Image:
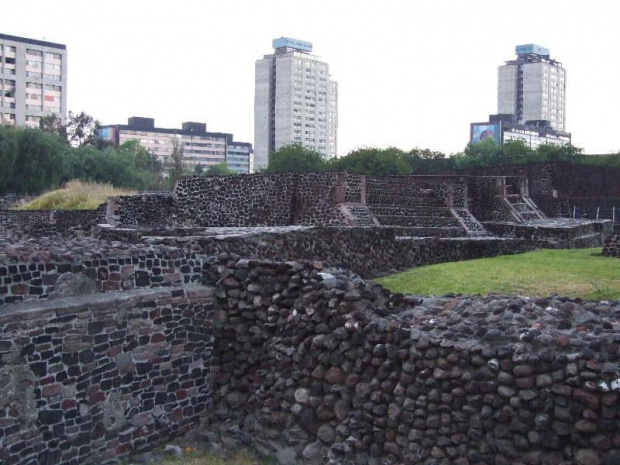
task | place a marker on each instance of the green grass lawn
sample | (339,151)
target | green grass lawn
(575,273)
(192,457)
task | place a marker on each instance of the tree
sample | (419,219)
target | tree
(8,156)
(295,158)
(41,162)
(515,151)
(175,164)
(483,153)
(221,169)
(372,162)
(53,125)
(82,129)
(426,161)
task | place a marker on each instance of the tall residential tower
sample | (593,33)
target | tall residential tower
(294,102)
(533,87)
(33,80)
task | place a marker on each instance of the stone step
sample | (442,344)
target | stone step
(588,240)
(529,215)
(390,210)
(425,221)
(522,207)
(416,231)
(405,201)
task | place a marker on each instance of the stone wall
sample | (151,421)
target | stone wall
(408,191)
(566,233)
(367,251)
(47,222)
(355,188)
(612,245)
(10,201)
(484,201)
(92,381)
(350,372)
(316,199)
(154,209)
(54,270)
(65,274)
(552,184)
(260,200)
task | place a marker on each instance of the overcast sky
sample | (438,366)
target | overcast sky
(411,73)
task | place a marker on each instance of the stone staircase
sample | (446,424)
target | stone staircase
(470,223)
(520,205)
(438,220)
(358,214)
(428,217)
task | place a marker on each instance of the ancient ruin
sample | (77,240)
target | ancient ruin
(243,303)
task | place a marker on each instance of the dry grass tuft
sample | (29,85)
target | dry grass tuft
(75,195)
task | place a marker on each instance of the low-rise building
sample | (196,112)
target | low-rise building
(504,128)
(200,147)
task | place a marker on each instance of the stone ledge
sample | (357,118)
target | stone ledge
(194,293)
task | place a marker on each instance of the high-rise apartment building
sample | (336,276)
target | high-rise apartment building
(33,80)
(294,102)
(200,147)
(533,87)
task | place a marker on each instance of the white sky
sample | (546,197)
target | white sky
(411,73)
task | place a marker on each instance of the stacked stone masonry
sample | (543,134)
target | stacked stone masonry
(52,270)
(88,381)
(153,209)
(260,200)
(353,374)
(558,187)
(22,281)
(47,222)
(612,246)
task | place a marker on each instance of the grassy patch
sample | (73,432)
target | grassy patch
(198,458)
(575,273)
(76,195)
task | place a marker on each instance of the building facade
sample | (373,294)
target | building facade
(533,87)
(294,102)
(33,80)
(200,147)
(505,128)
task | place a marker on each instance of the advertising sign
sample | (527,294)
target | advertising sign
(480,132)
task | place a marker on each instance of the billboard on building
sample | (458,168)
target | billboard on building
(108,133)
(482,131)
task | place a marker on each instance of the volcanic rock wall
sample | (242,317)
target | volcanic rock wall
(47,222)
(558,186)
(93,380)
(333,366)
(612,246)
(51,269)
(58,273)
(155,209)
(260,200)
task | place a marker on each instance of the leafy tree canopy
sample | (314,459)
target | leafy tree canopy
(221,169)
(372,162)
(295,158)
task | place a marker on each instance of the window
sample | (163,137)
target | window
(34,53)
(34,74)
